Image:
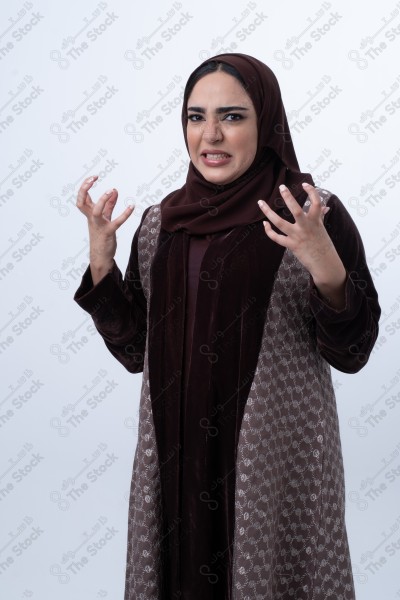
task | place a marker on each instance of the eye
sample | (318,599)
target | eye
(233,117)
(194,118)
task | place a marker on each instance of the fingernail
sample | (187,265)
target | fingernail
(91,179)
(261,202)
(109,192)
(305,184)
(282,188)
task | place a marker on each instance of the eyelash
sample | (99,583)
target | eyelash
(197,117)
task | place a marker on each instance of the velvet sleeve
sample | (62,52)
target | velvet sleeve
(346,337)
(118,308)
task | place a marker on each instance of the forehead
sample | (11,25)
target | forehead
(219,87)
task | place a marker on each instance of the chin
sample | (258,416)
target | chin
(216,178)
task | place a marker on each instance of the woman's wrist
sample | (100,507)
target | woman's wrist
(100,271)
(332,287)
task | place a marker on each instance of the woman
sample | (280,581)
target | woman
(234,311)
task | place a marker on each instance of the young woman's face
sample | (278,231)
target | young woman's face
(221,128)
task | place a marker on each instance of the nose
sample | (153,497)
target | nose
(212,132)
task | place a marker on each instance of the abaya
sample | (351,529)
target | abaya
(238,487)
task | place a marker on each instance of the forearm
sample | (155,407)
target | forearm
(346,337)
(346,310)
(120,320)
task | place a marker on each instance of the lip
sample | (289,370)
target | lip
(219,162)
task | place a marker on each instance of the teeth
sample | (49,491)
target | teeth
(216,156)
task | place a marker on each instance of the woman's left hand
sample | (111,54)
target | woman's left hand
(309,241)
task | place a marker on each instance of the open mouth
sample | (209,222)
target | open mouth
(215,155)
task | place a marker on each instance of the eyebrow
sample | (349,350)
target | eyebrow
(221,109)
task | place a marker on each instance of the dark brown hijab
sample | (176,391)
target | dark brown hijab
(201,207)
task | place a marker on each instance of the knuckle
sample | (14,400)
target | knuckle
(297,212)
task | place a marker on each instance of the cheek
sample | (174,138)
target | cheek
(191,138)
(188,136)
(250,148)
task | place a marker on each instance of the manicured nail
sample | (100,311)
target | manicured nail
(305,184)
(91,179)
(108,192)
(282,188)
(261,202)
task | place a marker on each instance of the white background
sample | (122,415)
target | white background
(95,88)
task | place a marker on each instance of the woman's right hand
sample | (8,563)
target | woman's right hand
(102,231)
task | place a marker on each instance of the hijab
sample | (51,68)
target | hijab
(201,207)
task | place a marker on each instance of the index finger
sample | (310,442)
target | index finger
(291,202)
(83,198)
